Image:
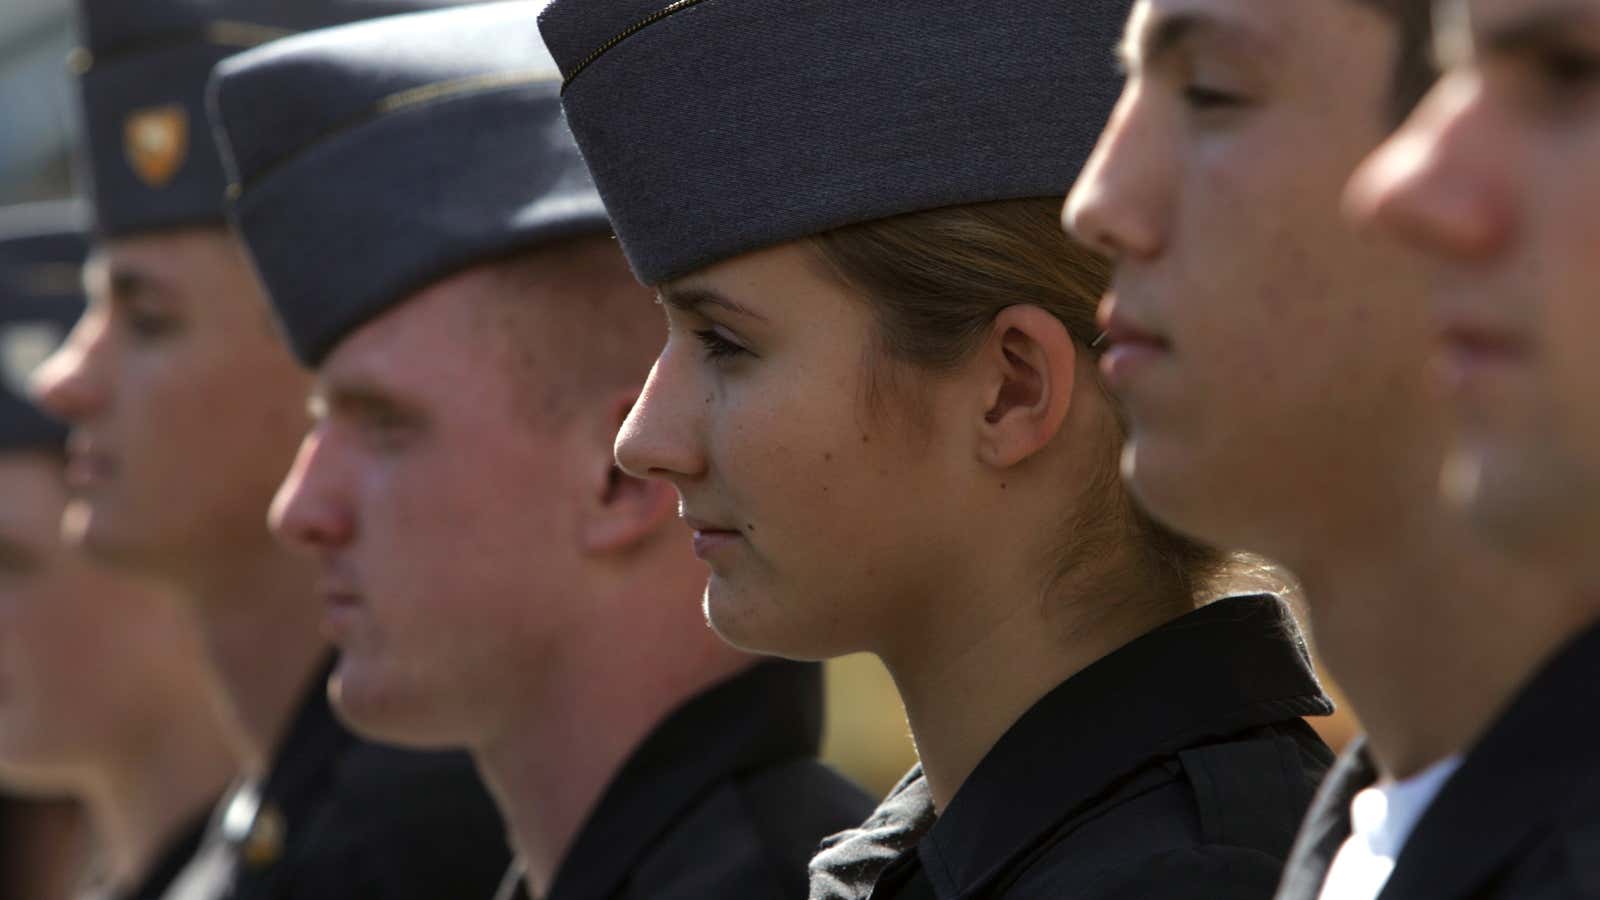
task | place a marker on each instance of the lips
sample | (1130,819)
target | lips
(341,603)
(710,539)
(1472,350)
(1132,346)
(87,465)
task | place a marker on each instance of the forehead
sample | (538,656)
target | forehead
(1258,26)
(181,261)
(435,337)
(1513,23)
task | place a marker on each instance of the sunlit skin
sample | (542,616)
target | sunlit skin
(103,690)
(185,403)
(445,589)
(1488,183)
(491,579)
(919,523)
(186,407)
(1240,297)
(1272,357)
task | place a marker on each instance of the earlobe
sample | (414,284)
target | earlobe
(627,514)
(1031,366)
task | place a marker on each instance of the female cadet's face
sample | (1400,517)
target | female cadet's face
(81,653)
(1265,351)
(185,403)
(827,519)
(1493,180)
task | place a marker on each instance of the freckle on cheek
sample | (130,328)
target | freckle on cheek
(865,439)
(827,457)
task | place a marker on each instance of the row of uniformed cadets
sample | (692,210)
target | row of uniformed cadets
(879,411)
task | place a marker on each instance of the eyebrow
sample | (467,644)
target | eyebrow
(1168,33)
(124,281)
(356,397)
(691,299)
(1538,30)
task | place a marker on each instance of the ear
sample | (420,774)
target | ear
(1029,364)
(622,512)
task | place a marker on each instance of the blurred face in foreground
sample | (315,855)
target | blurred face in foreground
(185,403)
(1493,183)
(92,663)
(1266,353)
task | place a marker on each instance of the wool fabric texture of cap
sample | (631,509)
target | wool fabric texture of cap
(421,145)
(42,249)
(142,70)
(718,127)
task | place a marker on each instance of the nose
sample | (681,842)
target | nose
(310,512)
(71,384)
(1117,207)
(1438,184)
(660,437)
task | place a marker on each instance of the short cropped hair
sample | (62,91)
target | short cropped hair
(574,323)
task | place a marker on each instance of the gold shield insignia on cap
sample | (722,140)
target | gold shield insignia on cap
(156,140)
(23,347)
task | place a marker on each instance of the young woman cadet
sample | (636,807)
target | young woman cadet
(878,403)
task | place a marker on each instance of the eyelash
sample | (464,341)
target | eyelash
(1570,69)
(717,347)
(1204,98)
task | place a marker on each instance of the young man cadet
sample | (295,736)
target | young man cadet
(493,580)
(1485,182)
(133,735)
(1266,354)
(186,408)
(1491,183)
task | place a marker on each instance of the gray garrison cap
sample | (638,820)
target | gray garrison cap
(142,71)
(42,248)
(419,146)
(717,127)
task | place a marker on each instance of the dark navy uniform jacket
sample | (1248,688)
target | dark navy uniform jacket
(338,818)
(725,800)
(1519,819)
(1176,767)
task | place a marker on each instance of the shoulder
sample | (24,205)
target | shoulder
(1562,862)
(1183,873)
(400,824)
(752,835)
(1223,813)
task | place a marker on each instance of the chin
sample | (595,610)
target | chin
(378,710)
(1534,502)
(91,529)
(749,622)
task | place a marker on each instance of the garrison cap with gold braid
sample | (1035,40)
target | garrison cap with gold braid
(717,127)
(42,248)
(420,145)
(142,73)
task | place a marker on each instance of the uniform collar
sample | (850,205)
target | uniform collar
(1520,778)
(1233,665)
(769,713)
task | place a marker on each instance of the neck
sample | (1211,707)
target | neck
(140,803)
(592,704)
(260,621)
(1460,627)
(986,658)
